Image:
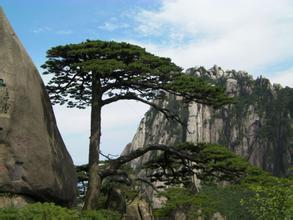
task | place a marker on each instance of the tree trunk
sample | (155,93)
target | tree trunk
(94,183)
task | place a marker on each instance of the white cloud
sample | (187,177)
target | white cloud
(119,123)
(212,16)
(285,78)
(64,32)
(122,113)
(113,25)
(51,30)
(119,114)
(71,120)
(242,34)
(109,26)
(42,30)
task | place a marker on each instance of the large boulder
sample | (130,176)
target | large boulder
(33,158)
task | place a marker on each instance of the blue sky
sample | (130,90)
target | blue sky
(42,24)
(250,35)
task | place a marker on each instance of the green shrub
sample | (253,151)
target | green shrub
(271,202)
(260,197)
(9,214)
(39,211)
(207,202)
(50,211)
(102,214)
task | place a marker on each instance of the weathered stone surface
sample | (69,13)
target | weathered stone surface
(116,201)
(139,210)
(180,215)
(33,158)
(14,201)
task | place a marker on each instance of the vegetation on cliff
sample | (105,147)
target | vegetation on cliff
(50,211)
(259,124)
(258,195)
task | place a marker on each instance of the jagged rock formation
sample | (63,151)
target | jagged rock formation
(258,126)
(33,158)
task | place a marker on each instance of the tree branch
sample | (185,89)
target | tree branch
(117,163)
(174,171)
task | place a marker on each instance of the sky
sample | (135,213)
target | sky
(250,35)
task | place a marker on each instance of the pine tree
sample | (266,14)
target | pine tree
(98,73)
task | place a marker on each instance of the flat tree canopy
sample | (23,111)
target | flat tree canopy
(124,71)
(97,73)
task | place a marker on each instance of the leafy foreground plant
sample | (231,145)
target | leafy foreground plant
(258,195)
(50,211)
(207,202)
(273,201)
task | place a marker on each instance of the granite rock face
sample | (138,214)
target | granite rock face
(33,158)
(258,126)
(139,210)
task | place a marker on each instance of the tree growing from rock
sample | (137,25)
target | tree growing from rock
(98,73)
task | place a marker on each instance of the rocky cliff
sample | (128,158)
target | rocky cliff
(258,126)
(34,161)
